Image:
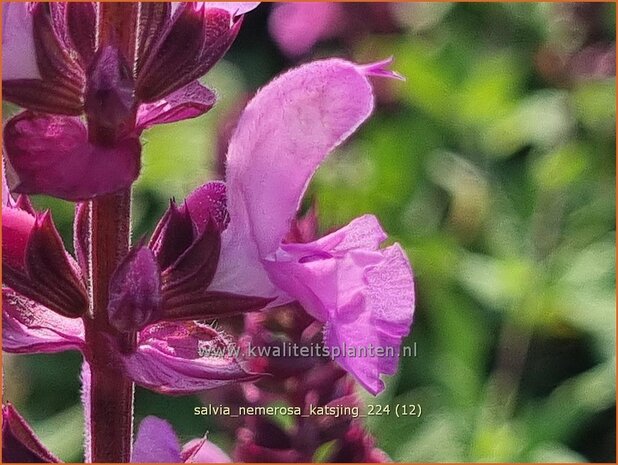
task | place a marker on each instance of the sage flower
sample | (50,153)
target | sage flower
(362,293)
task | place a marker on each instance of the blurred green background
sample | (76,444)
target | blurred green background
(494,166)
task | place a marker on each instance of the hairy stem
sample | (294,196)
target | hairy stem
(108,393)
(110,396)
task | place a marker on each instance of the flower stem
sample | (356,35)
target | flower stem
(110,397)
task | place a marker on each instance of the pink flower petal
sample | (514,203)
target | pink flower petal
(203,451)
(190,101)
(156,442)
(170,359)
(364,294)
(18,51)
(382,319)
(297,27)
(51,155)
(285,132)
(234,8)
(31,328)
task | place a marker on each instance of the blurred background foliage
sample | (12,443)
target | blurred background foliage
(494,166)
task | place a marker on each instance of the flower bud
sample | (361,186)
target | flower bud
(36,264)
(16,228)
(134,294)
(173,236)
(195,40)
(110,103)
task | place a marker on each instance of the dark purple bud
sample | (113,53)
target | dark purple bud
(185,283)
(268,433)
(285,367)
(196,38)
(196,266)
(248,449)
(110,103)
(134,291)
(332,426)
(357,446)
(117,26)
(19,443)
(36,265)
(187,244)
(23,203)
(48,262)
(173,235)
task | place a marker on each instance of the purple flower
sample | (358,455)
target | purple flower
(363,294)
(55,62)
(298,27)
(157,443)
